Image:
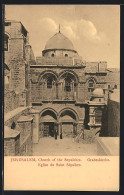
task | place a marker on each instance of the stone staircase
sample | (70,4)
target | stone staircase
(79,136)
(86,136)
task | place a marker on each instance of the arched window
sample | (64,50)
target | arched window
(6,42)
(68,84)
(91,85)
(49,83)
(66,55)
(52,54)
(115,86)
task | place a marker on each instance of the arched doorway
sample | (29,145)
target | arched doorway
(48,123)
(68,123)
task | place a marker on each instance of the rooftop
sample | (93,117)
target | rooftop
(10,133)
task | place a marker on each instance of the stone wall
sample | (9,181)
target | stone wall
(113,118)
(26,147)
(40,92)
(11,100)
(22,144)
(13,115)
(12,146)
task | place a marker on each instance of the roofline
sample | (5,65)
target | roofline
(15,21)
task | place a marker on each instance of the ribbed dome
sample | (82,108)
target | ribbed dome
(59,41)
(98,92)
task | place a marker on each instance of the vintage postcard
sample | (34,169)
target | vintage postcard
(61,97)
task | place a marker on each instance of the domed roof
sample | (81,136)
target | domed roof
(98,92)
(59,41)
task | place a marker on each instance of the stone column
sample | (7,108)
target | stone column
(91,115)
(36,114)
(57,91)
(59,128)
(63,95)
(73,89)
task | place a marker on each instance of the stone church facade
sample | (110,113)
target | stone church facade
(60,89)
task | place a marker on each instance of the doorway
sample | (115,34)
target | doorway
(67,129)
(48,129)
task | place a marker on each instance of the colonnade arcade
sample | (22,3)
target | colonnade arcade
(62,87)
(65,122)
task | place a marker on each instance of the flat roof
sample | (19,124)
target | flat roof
(10,133)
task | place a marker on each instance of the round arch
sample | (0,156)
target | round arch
(68,72)
(68,111)
(6,33)
(48,122)
(91,78)
(51,110)
(48,72)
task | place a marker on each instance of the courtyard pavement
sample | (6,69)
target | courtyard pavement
(48,146)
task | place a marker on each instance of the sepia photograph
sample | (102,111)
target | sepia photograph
(61,81)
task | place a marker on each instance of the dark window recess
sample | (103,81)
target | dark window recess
(90,89)
(91,84)
(6,42)
(66,55)
(52,54)
(109,86)
(99,100)
(68,84)
(7,23)
(13,125)
(115,86)
(49,83)
(75,84)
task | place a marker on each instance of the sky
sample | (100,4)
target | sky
(93,29)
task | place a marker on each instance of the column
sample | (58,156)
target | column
(36,130)
(63,95)
(57,91)
(59,128)
(36,114)
(73,89)
(91,116)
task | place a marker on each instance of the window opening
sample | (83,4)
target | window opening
(13,125)
(6,42)
(90,86)
(109,86)
(68,84)
(49,83)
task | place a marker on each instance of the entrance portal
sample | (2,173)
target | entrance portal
(48,129)
(67,129)
(68,122)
